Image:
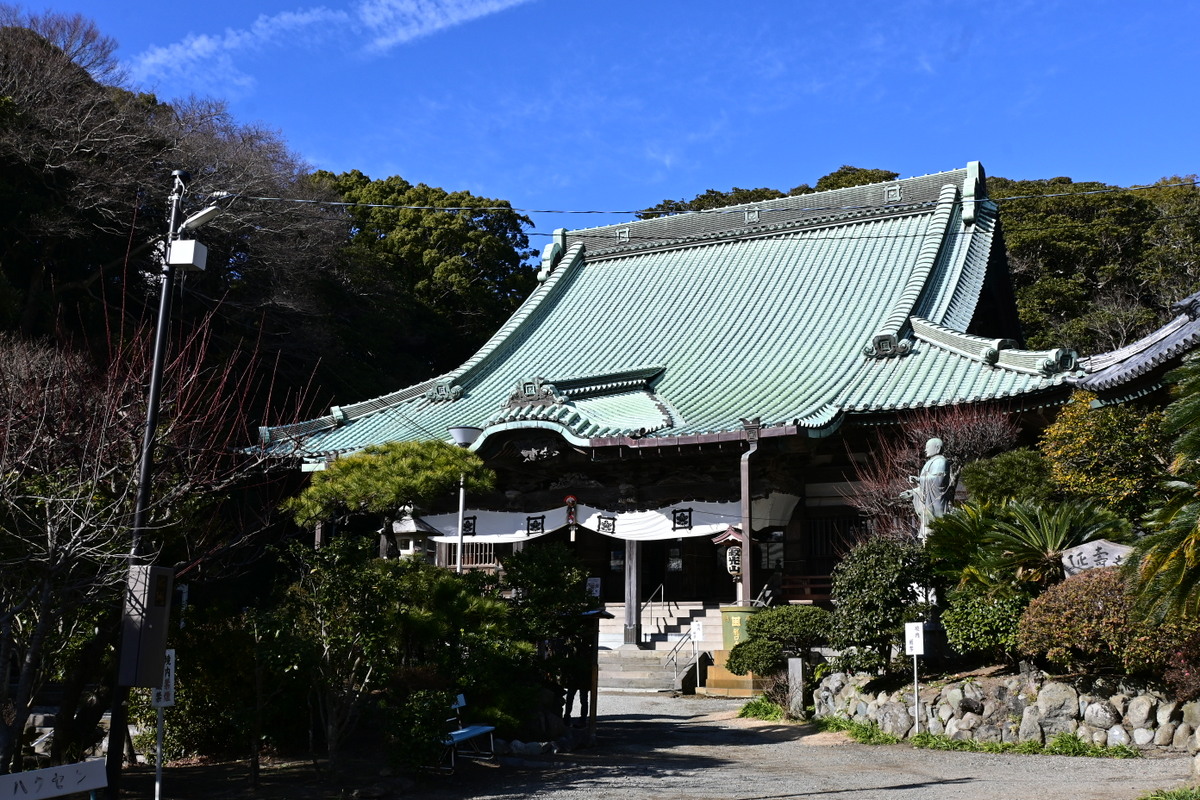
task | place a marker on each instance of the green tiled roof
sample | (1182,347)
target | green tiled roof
(798,311)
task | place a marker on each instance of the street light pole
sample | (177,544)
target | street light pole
(153,399)
(118,718)
(464,436)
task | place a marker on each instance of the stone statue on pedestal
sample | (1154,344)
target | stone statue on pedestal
(931,493)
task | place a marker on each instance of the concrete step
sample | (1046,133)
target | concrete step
(640,670)
(663,629)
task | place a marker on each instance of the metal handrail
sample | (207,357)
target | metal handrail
(672,658)
(661,591)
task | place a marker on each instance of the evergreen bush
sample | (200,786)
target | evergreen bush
(977,622)
(875,591)
(1020,474)
(797,628)
(760,656)
(1087,622)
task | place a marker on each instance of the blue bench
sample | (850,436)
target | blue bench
(467,741)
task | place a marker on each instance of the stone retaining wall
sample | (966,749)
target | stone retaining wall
(1021,708)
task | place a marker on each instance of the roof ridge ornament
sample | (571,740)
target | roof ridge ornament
(535,392)
(552,254)
(444,391)
(886,345)
(974,190)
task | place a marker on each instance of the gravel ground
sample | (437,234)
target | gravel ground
(658,747)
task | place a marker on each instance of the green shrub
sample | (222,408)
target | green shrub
(1086,622)
(416,728)
(977,622)
(762,708)
(234,692)
(797,628)
(760,656)
(1020,474)
(874,593)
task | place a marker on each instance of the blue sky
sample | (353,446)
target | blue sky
(614,104)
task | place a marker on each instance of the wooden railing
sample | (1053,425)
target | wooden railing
(476,555)
(807,588)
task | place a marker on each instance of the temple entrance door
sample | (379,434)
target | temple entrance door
(683,567)
(603,557)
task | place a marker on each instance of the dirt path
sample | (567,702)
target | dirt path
(654,747)
(660,748)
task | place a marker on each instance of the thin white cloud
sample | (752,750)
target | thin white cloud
(395,22)
(209,61)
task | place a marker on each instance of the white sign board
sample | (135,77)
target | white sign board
(55,781)
(165,696)
(914,638)
(1100,553)
(593,587)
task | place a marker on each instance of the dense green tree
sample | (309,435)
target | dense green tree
(425,286)
(382,479)
(713,198)
(361,620)
(1020,474)
(847,176)
(1113,455)
(1094,266)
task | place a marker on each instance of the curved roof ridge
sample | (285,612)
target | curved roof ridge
(867,193)
(1099,361)
(931,246)
(874,199)
(1106,371)
(972,266)
(523,316)
(999,353)
(979,348)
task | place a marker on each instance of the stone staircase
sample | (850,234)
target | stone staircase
(663,625)
(661,663)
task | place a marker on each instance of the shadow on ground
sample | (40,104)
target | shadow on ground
(635,746)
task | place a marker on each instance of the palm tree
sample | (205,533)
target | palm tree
(1029,540)
(1167,562)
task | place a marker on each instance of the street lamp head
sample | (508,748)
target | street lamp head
(199,219)
(465,435)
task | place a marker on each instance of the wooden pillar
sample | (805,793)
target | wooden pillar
(752,427)
(633,609)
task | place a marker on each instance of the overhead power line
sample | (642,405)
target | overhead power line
(741,207)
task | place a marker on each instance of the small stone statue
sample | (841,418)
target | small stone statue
(931,492)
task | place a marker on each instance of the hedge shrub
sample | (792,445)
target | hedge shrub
(1182,675)
(980,623)
(874,593)
(760,656)
(797,628)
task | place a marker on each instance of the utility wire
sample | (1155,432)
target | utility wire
(741,208)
